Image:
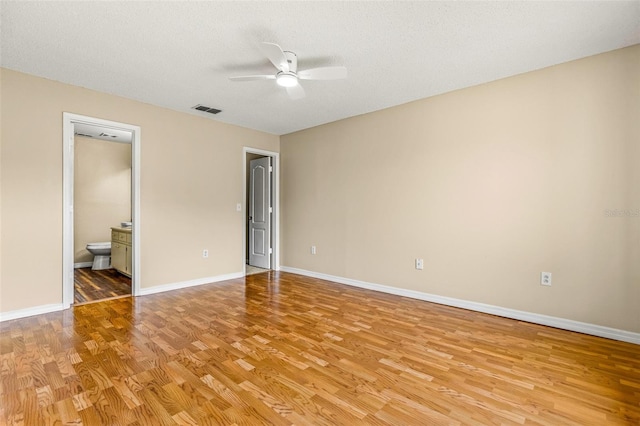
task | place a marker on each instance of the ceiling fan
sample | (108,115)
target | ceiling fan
(288,75)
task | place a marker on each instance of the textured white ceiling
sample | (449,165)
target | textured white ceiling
(179,54)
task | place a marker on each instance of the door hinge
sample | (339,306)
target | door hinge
(270,209)
(270,169)
(270,250)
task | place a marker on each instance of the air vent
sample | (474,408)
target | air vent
(206,109)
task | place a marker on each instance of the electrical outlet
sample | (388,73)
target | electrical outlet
(313,249)
(238,207)
(419,263)
(545,278)
(205,253)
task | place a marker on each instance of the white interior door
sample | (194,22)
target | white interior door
(260,213)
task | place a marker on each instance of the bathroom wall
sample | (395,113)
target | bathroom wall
(102,192)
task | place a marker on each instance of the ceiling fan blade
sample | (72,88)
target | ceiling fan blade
(275,55)
(296,92)
(253,77)
(323,73)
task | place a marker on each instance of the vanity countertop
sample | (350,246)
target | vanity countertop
(121,229)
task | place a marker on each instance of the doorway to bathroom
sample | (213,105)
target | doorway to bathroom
(261,210)
(101,203)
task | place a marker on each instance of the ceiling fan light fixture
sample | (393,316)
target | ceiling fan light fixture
(287,74)
(286,79)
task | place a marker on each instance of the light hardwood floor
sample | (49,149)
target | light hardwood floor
(283,349)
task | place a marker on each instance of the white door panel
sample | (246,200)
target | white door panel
(259,213)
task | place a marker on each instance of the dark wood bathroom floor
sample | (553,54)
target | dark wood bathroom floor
(97,285)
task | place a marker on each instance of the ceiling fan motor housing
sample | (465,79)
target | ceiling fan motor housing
(292,59)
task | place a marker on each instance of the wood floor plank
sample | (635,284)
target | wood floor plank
(278,348)
(91,286)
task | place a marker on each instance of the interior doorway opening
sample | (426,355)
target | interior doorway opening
(85,126)
(261,210)
(102,213)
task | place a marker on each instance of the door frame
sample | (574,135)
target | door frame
(275,219)
(68,160)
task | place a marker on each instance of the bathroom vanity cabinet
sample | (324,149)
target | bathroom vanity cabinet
(121,250)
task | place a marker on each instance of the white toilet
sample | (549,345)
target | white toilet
(101,255)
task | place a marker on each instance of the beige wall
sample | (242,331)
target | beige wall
(191,179)
(490,185)
(102,192)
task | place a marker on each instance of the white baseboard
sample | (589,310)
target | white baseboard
(565,324)
(562,323)
(29,312)
(45,309)
(82,265)
(190,283)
